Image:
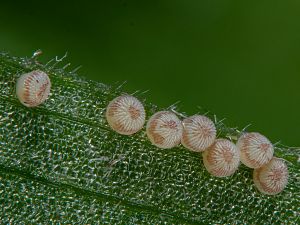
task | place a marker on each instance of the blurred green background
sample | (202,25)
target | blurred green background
(239,59)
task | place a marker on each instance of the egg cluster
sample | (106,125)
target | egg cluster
(221,157)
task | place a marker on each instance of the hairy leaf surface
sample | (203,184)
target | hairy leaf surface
(61,163)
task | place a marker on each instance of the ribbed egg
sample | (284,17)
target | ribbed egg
(164,129)
(33,88)
(199,132)
(125,114)
(222,158)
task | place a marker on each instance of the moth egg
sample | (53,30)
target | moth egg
(33,88)
(199,132)
(125,114)
(271,178)
(255,149)
(164,129)
(222,158)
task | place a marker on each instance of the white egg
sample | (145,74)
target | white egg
(199,132)
(33,88)
(222,158)
(164,129)
(255,149)
(125,114)
(271,178)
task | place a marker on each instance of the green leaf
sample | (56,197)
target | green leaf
(61,163)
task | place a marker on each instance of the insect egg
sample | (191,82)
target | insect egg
(272,177)
(125,114)
(199,132)
(164,129)
(33,88)
(222,158)
(255,149)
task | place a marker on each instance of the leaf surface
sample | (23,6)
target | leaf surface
(60,162)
